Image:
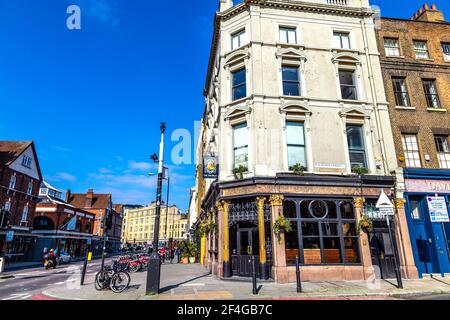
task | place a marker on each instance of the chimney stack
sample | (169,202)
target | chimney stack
(89,198)
(225,5)
(429,14)
(68,195)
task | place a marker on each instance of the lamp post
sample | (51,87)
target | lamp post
(154,265)
(165,169)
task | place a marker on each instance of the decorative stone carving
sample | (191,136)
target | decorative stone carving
(276,200)
(399,203)
(359,202)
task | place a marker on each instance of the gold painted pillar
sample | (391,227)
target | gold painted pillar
(407,265)
(220,230)
(226,241)
(366,255)
(279,271)
(262,238)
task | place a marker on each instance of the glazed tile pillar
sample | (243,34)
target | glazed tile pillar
(403,241)
(220,229)
(279,270)
(202,250)
(264,270)
(366,256)
(226,241)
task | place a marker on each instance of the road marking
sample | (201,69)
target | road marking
(18,296)
(193,285)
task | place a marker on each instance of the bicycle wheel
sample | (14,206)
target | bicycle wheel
(101,280)
(120,281)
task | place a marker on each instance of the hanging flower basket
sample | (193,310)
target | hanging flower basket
(282,225)
(365,224)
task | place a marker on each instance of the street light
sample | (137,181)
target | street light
(154,264)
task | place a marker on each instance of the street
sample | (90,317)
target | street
(28,284)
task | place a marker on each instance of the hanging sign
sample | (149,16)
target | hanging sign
(438,209)
(210,167)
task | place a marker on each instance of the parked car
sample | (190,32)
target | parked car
(64,257)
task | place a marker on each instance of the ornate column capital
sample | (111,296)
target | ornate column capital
(399,203)
(359,202)
(260,201)
(223,205)
(276,200)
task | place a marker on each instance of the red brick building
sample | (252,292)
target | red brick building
(52,223)
(20,178)
(99,205)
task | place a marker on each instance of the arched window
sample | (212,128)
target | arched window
(43,223)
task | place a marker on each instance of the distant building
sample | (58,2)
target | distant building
(139,224)
(100,205)
(20,178)
(52,223)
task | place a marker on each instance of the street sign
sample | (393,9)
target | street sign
(384,205)
(9,236)
(438,209)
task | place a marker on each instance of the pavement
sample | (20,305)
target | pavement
(193,282)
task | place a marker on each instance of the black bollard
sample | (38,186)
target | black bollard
(297,271)
(255,289)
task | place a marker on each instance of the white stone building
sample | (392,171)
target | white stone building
(294,86)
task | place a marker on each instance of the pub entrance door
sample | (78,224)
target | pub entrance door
(247,244)
(382,254)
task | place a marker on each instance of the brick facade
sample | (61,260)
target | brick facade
(417,119)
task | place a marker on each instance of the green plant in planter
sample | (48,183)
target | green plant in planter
(239,172)
(360,170)
(364,224)
(298,169)
(202,230)
(282,224)
(184,250)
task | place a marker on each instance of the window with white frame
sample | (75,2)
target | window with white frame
(239,84)
(411,150)
(240,145)
(348,84)
(238,39)
(295,138)
(446,50)
(12,183)
(341,40)
(421,49)
(391,47)
(400,92)
(431,94)
(288,35)
(291,81)
(443,151)
(26,161)
(356,146)
(25,214)
(30,188)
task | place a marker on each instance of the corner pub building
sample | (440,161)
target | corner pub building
(290,145)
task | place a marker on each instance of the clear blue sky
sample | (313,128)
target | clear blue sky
(92,99)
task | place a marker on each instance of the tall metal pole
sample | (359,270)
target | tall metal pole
(104,240)
(167,204)
(394,249)
(154,265)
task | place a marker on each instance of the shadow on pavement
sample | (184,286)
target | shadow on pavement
(168,288)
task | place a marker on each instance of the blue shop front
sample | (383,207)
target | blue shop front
(427,210)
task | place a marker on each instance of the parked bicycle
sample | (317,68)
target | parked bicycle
(112,277)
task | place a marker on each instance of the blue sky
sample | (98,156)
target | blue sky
(92,99)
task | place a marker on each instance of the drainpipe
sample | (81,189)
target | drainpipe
(374,97)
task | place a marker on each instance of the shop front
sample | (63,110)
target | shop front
(427,203)
(323,212)
(19,248)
